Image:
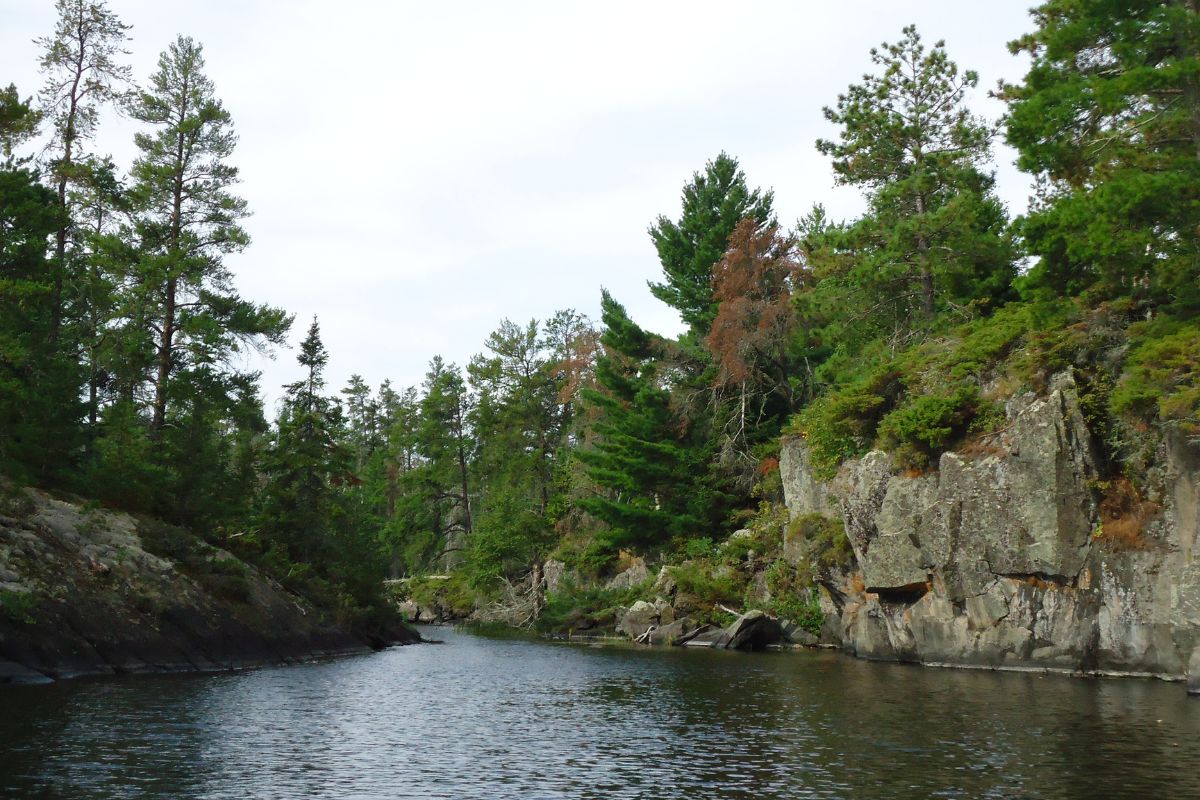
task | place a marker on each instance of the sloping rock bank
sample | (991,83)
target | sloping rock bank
(1016,555)
(80,594)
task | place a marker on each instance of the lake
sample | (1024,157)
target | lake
(500,717)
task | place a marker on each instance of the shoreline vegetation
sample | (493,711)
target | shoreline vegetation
(580,474)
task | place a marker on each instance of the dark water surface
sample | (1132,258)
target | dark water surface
(481,717)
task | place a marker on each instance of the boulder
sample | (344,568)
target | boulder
(704,636)
(753,630)
(635,574)
(669,634)
(794,634)
(642,616)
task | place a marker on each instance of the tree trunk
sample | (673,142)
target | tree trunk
(537,591)
(165,346)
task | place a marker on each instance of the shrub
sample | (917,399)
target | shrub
(1162,377)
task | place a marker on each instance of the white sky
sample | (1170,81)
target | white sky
(419,171)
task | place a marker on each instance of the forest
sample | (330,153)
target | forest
(581,440)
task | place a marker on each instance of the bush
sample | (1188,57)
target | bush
(574,607)
(1162,376)
(825,544)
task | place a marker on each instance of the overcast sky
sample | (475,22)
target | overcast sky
(419,171)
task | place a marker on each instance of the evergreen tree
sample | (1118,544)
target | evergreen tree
(188,219)
(444,443)
(713,204)
(306,462)
(1108,118)
(648,477)
(18,124)
(934,235)
(39,382)
(83,69)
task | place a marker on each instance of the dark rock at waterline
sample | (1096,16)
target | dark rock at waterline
(1193,683)
(669,634)
(794,634)
(81,594)
(754,630)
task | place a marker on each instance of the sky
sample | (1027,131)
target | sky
(418,172)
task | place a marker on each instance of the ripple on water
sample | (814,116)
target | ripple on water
(500,718)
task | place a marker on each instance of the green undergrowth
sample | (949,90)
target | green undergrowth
(451,595)
(581,607)
(950,389)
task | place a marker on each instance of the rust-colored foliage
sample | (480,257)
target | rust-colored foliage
(1123,516)
(753,284)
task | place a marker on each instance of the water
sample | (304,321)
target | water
(496,718)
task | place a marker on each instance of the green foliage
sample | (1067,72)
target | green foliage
(922,427)
(585,607)
(1162,378)
(713,204)
(702,547)
(825,544)
(18,606)
(1106,119)
(453,594)
(639,458)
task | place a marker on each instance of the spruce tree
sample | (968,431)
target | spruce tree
(306,462)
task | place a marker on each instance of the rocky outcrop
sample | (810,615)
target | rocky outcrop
(754,630)
(1000,557)
(81,594)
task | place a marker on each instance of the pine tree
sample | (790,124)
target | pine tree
(1108,118)
(83,69)
(647,475)
(188,220)
(934,235)
(713,204)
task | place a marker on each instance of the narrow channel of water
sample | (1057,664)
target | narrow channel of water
(482,717)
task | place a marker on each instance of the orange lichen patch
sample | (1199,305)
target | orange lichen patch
(986,444)
(1123,516)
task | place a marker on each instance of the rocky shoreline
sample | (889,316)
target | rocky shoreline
(81,594)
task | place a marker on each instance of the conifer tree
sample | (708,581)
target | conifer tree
(306,462)
(1108,118)
(82,64)
(934,235)
(713,204)
(647,475)
(187,221)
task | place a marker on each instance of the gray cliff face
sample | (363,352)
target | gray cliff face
(994,559)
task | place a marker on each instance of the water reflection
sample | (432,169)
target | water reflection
(501,718)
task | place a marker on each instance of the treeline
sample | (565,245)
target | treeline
(906,328)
